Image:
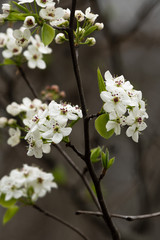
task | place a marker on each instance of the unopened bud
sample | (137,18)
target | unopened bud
(90,41)
(3,122)
(99,26)
(12,121)
(60,38)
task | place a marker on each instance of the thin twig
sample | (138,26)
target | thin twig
(52,216)
(27,81)
(79,172)
(94,115)
(125,217)
(75,150)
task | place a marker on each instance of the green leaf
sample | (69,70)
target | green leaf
(47,34)
(89,31)
(14,16)
(9,214)
(95,154)
(110,162)
(20,7)
(101,83)
(6,204)
(100,125)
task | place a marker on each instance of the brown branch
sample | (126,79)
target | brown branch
(52,216)
(125,217)
(27,81)
(75,150)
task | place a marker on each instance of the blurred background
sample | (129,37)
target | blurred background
(128,45)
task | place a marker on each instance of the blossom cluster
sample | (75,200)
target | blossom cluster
(27,182)
(124,105)
(13,43)
(35,17)
(85,26)
(44,124)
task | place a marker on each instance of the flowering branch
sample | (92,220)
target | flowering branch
(106,216)
(50,215)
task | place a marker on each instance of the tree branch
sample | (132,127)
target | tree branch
(50,215)
(125,217)
(27,81)
(75,150)
(79,172)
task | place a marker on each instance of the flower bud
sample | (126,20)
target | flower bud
(60,38)
(99,26)
(3,122)
(12,121)
(90,41)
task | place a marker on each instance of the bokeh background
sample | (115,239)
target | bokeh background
(128,45)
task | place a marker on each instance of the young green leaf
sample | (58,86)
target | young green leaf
(110,162)
(100,125)
(95,154)
(6,204)
(20,7)
(14,16)
(101,83)
(9,214)
(89,31)
(104,160)
(47,34)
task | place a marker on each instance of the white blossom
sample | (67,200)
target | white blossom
(6,9)
(67,13)
(25,1)
(79,15)
(29,22)
(13,109)
(22,37)
(3,39)
(12,49)
(14,137)
(51,13)
(37,43)
(44,3)
(34,58)
(124,106)
(20,181)
(90,16)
